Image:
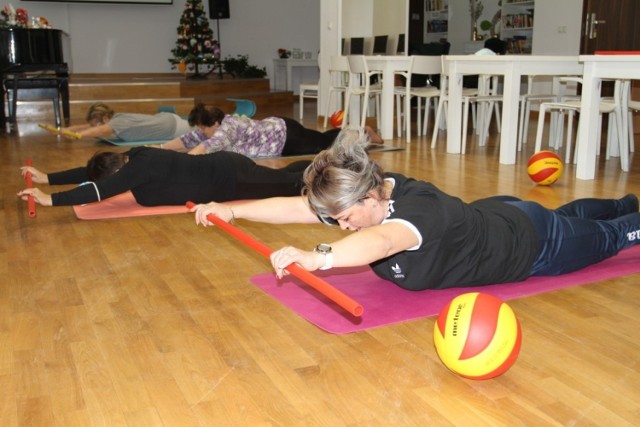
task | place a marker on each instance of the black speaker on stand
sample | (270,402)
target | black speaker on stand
(219,9)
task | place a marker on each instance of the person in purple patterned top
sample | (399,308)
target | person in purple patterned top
(269,137)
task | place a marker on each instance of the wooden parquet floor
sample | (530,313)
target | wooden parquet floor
(153,321)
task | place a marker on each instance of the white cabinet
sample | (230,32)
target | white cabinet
(436,20)
(517,25)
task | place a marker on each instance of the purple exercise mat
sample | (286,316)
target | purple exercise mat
(384,303)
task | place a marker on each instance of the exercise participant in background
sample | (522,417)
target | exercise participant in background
(419,237)
(158,177)
(103,122)
(269,137)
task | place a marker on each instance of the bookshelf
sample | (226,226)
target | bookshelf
(517,25)
(436,22)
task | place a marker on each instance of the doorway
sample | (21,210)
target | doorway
(609,25)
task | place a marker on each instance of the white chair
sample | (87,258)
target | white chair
(360,86)
(530,98)
(307,90)
(338,82)
(617,141)
(488,100)
(403,93)
(443,100)
(420,65)
(470,97)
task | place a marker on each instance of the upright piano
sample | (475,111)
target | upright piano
(25,50)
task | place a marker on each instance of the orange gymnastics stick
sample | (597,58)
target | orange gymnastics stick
(32,202)
(309,278)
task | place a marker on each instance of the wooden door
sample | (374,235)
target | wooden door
(610,25)
(416,22)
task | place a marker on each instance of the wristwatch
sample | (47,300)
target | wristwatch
(325,249)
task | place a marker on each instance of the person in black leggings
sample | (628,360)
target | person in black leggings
(162,177)
(269,137)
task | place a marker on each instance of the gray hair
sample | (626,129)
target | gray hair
(342,175)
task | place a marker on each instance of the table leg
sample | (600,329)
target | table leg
(386,113)
(509,126)
(588,129)
(454,119)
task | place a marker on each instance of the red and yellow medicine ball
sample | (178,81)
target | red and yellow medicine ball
(544,167)
(477,336)
(336,118)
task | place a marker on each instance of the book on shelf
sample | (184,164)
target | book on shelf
(437,5)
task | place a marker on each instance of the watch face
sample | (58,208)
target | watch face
(323,248)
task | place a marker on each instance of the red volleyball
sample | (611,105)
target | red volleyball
(544,167)
(336,118)
(477,336)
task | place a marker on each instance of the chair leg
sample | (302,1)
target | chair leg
(326,115)
(398,116)
(345,117)
(632,142)
(425,122)
(527,116)
(301,102)
(14,105)
(436,125)
(569,136)
(521,123)
(377,111)
(407,115)
(540,130)
(557,143)
(364,108)
(623,142)
(56,111)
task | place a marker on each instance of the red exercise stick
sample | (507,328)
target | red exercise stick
(32,202)
(315,282)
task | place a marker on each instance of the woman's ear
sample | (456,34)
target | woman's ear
(374,194)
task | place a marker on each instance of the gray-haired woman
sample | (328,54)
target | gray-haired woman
(419,237)
(104,122)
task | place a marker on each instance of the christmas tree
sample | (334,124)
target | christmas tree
(195,44)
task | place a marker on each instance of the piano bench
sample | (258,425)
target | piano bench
(33,88)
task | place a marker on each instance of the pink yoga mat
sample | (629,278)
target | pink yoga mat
(122,206)
(384,303)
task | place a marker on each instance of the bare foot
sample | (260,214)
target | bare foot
(373,136)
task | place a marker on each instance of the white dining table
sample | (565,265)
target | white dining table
(597,68)
(389,64)
(512,68)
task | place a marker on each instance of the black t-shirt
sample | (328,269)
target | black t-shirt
(480,243)
(156,177)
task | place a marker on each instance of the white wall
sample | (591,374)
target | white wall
(129,38)
(359,15)
(557,27)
